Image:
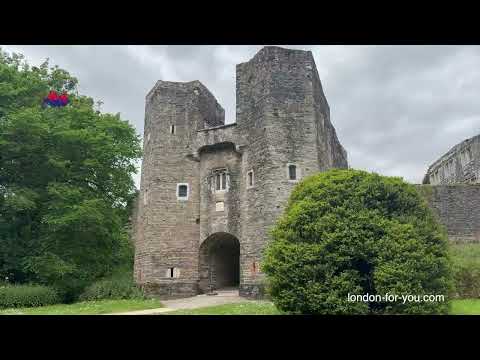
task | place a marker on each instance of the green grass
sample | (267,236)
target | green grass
(459,307)
(465,307)
(250,308)
(87,308)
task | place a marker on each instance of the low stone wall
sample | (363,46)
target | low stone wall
(457,208)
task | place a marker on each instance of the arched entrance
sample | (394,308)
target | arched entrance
(219,262)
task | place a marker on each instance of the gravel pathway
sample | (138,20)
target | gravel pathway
(194,302)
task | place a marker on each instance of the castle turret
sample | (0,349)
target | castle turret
(166,259)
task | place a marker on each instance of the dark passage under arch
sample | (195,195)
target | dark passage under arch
(219,263)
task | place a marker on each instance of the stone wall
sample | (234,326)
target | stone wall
(457,208)
(461,164)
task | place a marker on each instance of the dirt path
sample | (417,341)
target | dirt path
(194,302)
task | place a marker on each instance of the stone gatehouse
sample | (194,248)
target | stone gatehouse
(211,191)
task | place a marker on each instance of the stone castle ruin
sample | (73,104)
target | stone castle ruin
(461,164)
(210,191)
(452,188)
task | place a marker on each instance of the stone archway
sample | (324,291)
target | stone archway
(219,263)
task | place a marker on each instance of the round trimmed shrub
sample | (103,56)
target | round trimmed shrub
(116,287)
(15,296)
(349,232)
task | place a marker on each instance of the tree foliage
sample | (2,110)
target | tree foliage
(352,232)
(65,180)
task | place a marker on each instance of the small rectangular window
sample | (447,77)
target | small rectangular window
(172,129)
(182,191)
(292,172)
(217,187)
(173,272)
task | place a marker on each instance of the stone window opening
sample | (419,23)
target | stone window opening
(250,179)
(293,172)
(172,129)
(145,197)
(173,272)
(182,191)
(220,180)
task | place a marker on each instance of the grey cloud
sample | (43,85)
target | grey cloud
(396,108)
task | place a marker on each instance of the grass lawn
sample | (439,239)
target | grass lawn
(459,307)
(87,308)
(250,308)
(465,307)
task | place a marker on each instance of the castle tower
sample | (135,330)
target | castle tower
(210,192)
(166,256)
(282,111)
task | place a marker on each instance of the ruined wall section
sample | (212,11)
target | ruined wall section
(460,165)
(457,208)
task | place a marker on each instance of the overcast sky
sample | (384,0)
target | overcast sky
(396,109)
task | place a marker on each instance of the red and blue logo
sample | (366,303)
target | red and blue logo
(55,100)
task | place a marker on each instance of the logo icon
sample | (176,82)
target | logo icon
(55,100)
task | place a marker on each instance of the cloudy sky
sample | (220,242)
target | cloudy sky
(396,109)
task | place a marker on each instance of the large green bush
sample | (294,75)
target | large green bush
(120,286)
(352,232)
(466,270)
(14,296)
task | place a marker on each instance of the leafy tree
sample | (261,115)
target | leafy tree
(352,232)
(65,181)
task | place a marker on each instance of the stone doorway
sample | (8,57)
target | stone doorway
(219,263)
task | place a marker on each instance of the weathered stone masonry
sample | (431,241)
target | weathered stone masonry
(457,208)
(452,189)
(460,165)
(236,176)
